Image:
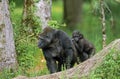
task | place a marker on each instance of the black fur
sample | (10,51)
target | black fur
(84,48)
(57,46)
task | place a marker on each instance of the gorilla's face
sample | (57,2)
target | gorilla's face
(43,41)
(77,36)
(46,37)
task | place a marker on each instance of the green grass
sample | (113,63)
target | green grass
(30,57)
(57,11)
(109,69)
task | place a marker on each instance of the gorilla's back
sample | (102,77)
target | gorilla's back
(64,39)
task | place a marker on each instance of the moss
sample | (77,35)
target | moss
(2,26)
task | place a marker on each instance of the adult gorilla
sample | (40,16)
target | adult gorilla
(57,46)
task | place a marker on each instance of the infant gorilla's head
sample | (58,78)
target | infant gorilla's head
(76,35)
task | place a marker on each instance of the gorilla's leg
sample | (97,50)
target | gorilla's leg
(52,65)
(59,67)
(72,63)
(60,63)
(69,57)
(83,56)
(91,52)
(50,61)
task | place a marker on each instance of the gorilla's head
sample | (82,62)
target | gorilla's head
(46,37)
(77,35)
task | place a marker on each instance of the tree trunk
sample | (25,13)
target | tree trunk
(44,11)
(72,12)
(83,69)
(27,18)
(103,23)
(7,47)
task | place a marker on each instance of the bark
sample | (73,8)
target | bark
(7,47)
(72,12)
(103,23)
(44,11)
(27,18)
(82,69)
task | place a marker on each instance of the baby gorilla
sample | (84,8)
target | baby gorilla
(57,48)
(84,48)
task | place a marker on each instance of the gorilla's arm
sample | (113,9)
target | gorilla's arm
(66,43)
(50,61)
(81,45)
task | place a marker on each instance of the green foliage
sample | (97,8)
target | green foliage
(57,11)
(9,74)
(97,9)
(25,39)
(55,24)
(26,48)
(36,1)
(19,3)
(6,74)
(12,5)
(110,68)
(25,42)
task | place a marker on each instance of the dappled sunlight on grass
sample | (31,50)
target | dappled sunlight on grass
(40,63)
(18,10)
(40,67)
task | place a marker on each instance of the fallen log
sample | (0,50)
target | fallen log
(82,69)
